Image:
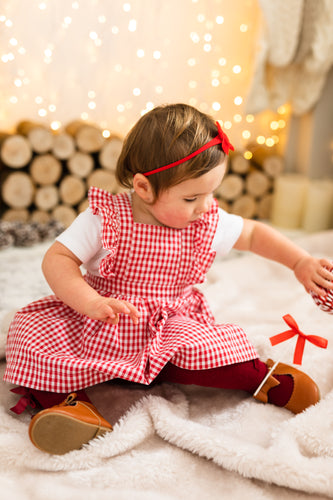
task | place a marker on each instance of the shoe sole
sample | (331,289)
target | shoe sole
(58,434)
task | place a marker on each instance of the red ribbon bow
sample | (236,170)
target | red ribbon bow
(288,334)
(25,401)
(226,144)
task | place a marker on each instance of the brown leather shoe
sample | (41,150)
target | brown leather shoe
(305,392)
(67,426)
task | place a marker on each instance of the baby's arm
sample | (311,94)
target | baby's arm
(265,241)
(61,269)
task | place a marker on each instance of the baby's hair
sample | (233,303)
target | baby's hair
(164,135)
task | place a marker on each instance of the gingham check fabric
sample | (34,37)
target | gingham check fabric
(52,347)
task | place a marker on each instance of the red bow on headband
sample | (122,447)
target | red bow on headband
(288,334)
(225,143)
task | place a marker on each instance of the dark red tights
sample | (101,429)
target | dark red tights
(244,376)
(41,399)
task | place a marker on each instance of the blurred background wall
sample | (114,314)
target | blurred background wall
(260,67)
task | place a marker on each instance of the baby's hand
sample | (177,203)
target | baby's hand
(108,309)
(316,275)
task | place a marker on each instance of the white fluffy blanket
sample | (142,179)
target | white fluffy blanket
(176,442)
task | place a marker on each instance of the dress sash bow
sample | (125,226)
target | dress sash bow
(294,330)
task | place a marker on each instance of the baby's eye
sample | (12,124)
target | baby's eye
(189,200)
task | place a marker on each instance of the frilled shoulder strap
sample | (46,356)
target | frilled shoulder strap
(104,204)
(206,227)
(213,213)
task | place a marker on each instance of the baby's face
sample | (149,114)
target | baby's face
(182,204)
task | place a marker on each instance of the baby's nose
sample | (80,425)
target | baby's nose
(204,206)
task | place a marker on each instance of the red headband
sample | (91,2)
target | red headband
(221,138)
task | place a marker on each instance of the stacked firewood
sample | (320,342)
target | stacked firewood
(248,187)
(46,175)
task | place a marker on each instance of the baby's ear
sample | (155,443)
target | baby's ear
(143,188)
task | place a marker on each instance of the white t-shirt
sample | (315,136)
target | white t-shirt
(83,237)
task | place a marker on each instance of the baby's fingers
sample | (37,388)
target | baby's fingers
(326,275)
(107,314)
(316,289)
(124,307)
(133,312)
(119,306)
(326,264)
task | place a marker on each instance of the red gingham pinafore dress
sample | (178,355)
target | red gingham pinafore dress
(51,347)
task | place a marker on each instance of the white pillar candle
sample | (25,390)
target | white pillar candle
(318,212)
(288,200)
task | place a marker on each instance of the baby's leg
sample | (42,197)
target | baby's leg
(41,399)
(48,399)
(245,376)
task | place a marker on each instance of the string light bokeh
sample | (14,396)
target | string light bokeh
(109,62)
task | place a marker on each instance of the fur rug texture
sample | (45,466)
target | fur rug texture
(176,442)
